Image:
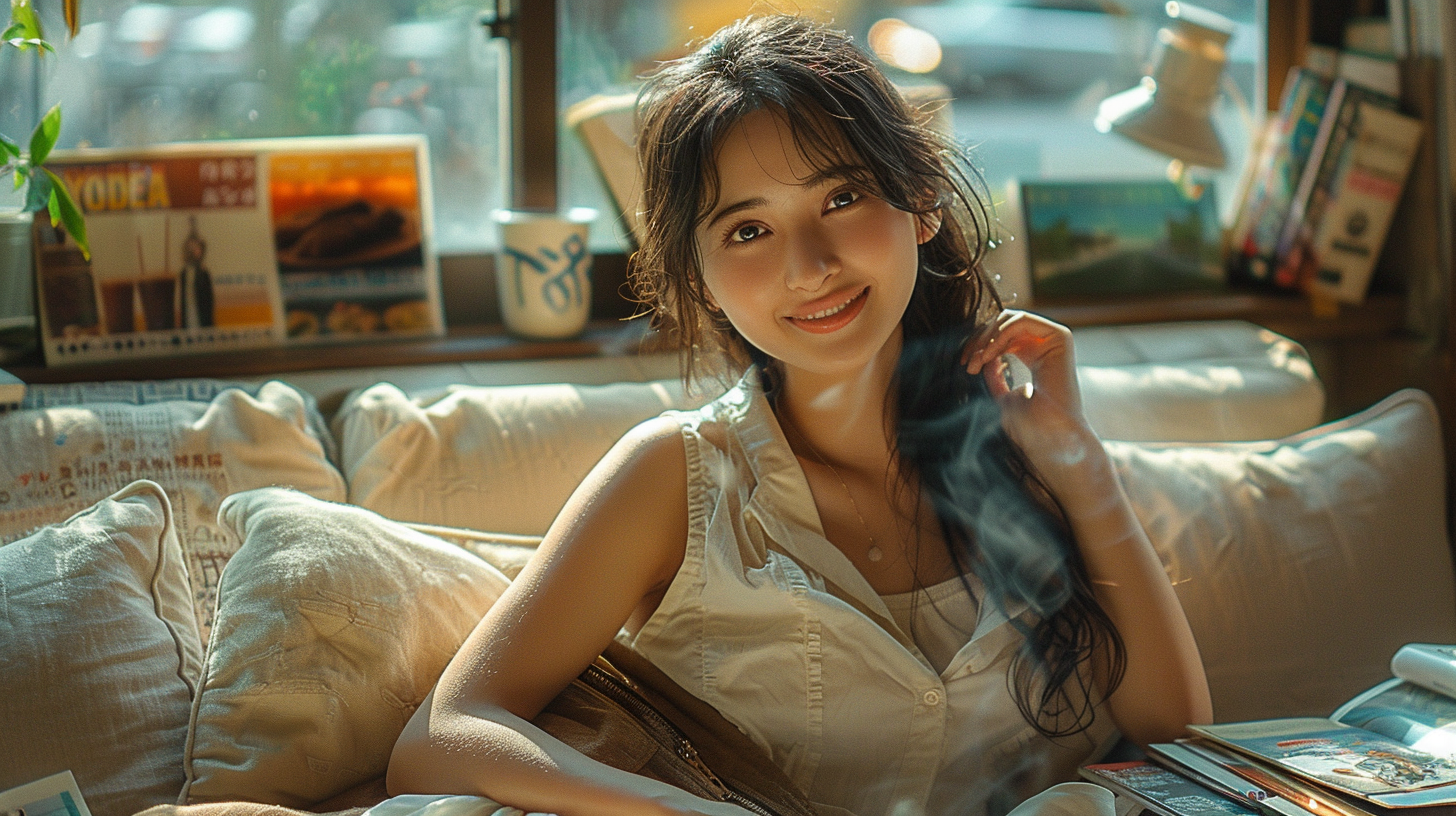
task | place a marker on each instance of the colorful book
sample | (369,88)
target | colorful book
(1337,127)
(1315,799)
(1185,759)
(1340,259)
(1284,159)
(1163,791)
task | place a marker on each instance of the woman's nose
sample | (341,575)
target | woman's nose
(812,261)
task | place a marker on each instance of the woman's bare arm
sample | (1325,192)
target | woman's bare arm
(1164,687)
(619,539)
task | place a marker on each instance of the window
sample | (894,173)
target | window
(1026,76)
(140,73)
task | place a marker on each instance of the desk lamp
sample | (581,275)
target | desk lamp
(1170,109)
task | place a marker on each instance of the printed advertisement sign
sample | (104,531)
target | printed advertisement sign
(203,247)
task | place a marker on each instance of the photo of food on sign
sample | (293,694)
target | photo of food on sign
(347,233)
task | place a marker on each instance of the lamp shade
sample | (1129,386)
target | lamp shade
(1171,109)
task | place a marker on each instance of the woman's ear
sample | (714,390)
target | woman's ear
(926,226)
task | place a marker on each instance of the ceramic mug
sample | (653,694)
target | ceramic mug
(543,272)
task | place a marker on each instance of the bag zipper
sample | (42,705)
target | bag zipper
(624,691)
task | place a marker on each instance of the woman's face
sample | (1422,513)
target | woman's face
(810,268)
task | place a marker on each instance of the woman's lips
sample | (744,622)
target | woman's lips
(834,317)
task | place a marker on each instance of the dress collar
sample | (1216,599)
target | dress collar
(783,505)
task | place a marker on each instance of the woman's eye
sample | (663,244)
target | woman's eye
(745,233)
(844,198)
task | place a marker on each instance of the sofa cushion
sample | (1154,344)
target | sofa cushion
(332,625)
(1201,381)
(500,458)
(100,653)
(1303,563)
(73,445)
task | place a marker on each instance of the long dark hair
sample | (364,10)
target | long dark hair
(999,521)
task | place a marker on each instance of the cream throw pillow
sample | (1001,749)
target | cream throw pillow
(499,458)
(1303,563)
(60,459)
(1198,381)
(100,653)
(332,625)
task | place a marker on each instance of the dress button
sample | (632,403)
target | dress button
(932,697)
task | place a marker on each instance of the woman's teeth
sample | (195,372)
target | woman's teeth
(820,315)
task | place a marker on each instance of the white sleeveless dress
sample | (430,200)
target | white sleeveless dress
(771,624)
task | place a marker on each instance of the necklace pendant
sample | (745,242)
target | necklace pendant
(874,554)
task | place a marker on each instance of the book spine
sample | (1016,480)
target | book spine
(1427,665)
(1367,189)
(1300,116)
(1315,189)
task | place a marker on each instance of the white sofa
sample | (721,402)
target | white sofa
(1304,554)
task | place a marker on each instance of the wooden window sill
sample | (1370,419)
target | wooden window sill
(1380,316)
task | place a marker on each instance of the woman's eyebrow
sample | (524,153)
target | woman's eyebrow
(839,172)
(745,204)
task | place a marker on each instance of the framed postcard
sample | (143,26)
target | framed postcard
(235,245)
(1120,238)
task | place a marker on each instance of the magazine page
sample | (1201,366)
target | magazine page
(1318,799)
(1366,764)
(1414,716)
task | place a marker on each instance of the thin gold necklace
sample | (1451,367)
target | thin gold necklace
(874,553)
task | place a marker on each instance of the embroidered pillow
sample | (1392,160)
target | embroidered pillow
(101,653)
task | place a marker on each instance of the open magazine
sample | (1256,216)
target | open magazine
(1389,749)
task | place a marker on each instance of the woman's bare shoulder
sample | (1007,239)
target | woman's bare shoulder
(639,485)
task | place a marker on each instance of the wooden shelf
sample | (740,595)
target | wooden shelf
(1380,316)
(1289,315)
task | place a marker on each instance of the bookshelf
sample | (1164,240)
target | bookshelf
(1418,351)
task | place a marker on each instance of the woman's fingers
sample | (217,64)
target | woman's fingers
(1028,337)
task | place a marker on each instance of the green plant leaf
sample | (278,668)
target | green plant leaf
(70,214)
(38,196)
(23,43)
(22,174)
(45,135)
(11,148)
(22,14)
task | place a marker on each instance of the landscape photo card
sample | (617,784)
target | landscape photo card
(1121,237)
(236,245)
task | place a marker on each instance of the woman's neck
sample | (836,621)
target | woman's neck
(845,417)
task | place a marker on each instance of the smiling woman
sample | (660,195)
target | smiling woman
(870,521)
(791,251)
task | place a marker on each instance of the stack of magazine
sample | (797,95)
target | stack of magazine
(1390,751)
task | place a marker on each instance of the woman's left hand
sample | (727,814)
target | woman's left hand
(1043,417)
